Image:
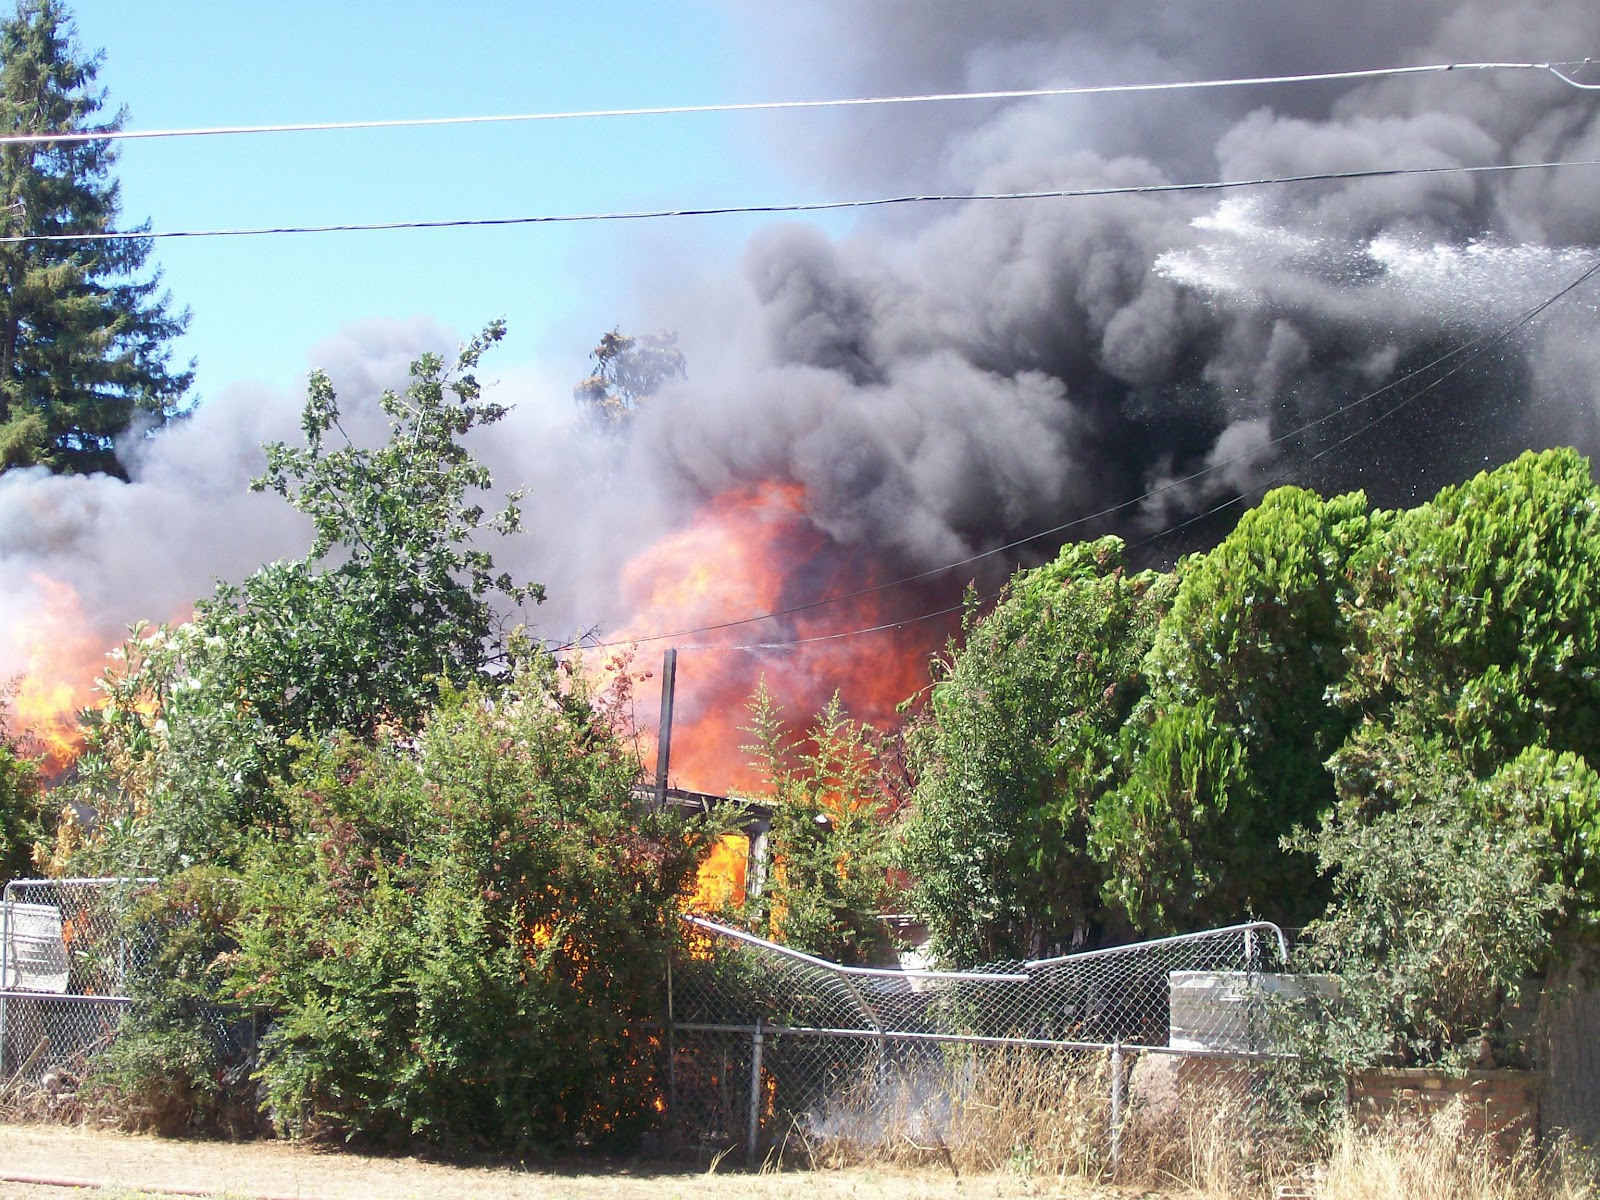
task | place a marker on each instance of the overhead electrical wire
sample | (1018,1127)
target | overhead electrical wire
(830,637)
(802,206)
(1488,342)
(1472,350)
(1552,68)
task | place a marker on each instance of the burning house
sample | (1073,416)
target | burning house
(939,394)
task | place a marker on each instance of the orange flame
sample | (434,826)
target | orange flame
(754,550)
(749,551)
(59,658)
(721,881)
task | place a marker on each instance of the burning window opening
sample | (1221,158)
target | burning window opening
(736,868)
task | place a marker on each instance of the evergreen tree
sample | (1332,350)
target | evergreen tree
(84,330)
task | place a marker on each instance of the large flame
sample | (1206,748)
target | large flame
(754,550)
(721,883)
(53,657)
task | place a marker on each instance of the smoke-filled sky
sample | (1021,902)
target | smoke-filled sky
(938,380)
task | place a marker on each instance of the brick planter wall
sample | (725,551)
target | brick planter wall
(1499,1106)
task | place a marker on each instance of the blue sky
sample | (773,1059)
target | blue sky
(259,304)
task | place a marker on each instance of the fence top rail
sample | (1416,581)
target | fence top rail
(837,968)
(62,997)
(82,880)
(1037,964)
(966,1039)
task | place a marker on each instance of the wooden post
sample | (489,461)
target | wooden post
(669,674)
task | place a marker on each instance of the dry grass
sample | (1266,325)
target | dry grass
(1206,1136)
(973,1112)
(1436,1161)
(50,1097)
(1026,1124)
(1047,1118)
(1192,1129)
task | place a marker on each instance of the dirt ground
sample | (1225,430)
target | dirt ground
(119,1167)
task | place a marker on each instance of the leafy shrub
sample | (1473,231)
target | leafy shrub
(461,941)
(175,767)
(182,1058)
(1440,914)
(1471,618)
(1436,920)
(1225,752)
(396,596)
(829,842)
(20,810)
(1019,742)
(1449,894)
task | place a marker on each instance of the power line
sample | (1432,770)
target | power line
(1488,343)
(1552,68)
(828,637)
(1477,347)
(1149,189)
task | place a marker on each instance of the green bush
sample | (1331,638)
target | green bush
(1224,755)
(462,940)
(1019,742)
(1444,905)
(182,1059)
(396,597)
(21,826)
(1436,920)
(829,842)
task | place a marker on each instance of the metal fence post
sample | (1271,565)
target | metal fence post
(672,1048)
(753,1137)
(1118,1100)
(5,965)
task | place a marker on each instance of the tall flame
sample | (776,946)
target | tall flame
(721,881)
(54,657)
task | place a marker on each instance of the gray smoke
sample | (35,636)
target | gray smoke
(944,380)
(148,548)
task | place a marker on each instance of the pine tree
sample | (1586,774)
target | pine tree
(85,331)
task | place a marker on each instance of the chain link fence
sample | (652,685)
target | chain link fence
(65,960)
(774,1048)
(74,965)
(771,1048)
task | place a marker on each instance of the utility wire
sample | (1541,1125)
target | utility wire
(1552,68)
(829,637)
(1149,189)
(1477,347)
(1488,343)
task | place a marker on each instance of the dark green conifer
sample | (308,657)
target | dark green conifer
(85,330)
